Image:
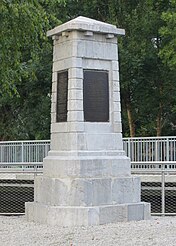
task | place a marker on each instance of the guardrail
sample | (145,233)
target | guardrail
(23,151)
(154,156)
(140,150)
(150,149)
(163,186)
(18,167)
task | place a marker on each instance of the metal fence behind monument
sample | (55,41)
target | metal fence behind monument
(154,159)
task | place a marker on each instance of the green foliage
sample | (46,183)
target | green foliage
(25,71)
(168,33)
(146,53)
(20,36)
(147,83)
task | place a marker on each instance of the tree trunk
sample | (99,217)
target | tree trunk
(130,119)
(159,121)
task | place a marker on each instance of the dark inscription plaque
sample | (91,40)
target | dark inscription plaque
(62,92)
(96,96)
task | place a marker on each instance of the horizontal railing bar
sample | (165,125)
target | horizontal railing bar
(12,213)
(157,188)
(22,171)
(137,171)
(16,185)
(153,162)
(154,169)
(26,141)
(151,188)
(20,163)
(153,214)
(162,137)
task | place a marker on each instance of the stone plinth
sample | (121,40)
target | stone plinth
(87,178)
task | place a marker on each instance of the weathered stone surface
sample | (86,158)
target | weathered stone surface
(86,24)
(84,141)
(87,191)
(83,216)
(126,190)
(74,166)
(87,178)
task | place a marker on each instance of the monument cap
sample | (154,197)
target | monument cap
(86,24)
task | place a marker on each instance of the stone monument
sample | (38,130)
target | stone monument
(86,178)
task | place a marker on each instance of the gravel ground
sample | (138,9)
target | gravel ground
(16,231)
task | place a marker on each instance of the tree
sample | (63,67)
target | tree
(25,71)
(145,80)
(146,53)
(168,56)
(168,33)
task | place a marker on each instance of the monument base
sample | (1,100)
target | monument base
(86,190)
(86,216)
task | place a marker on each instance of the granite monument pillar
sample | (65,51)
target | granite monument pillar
(87,178)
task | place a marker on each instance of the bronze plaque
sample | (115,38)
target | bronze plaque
(62,93)
(96,96)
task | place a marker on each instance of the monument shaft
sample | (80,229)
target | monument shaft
(87,178)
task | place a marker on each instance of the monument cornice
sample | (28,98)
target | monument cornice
(85,24)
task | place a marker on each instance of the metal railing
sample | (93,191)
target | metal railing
(154,159)
(23,151)
(150,157)
(158,186)
(140,150)
(20,161)
(150,149)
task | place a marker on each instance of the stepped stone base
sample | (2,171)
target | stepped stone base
(86,191)
(85,216)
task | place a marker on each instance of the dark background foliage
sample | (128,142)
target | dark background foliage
(147,63)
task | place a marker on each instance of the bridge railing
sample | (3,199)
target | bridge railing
(23,151)
(141,150)
(147,150)
(153,158)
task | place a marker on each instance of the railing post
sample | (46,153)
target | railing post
(22,154)
(163,189)
(167,149)
(156,151)
(1,153)
(129,150)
